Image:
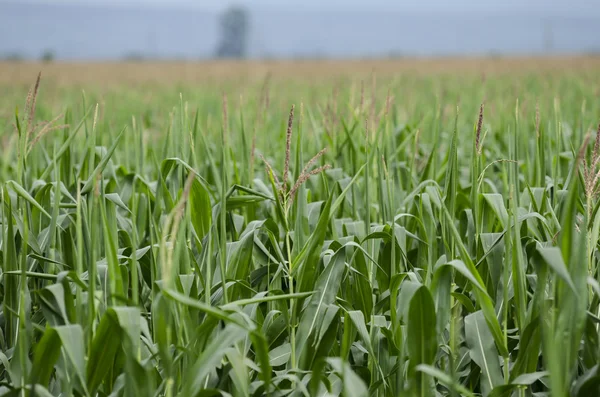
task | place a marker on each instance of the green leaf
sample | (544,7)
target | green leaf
(352,384)
(210,357)
(482,351)
(116,325)
(280,355)
(23,193)
(519,382)
(89,184)
(200,208)
(421,337)
(553,258)
(496,203)
(326,288)
(445,379)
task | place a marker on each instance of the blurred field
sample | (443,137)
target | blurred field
(102,74)
(126,88)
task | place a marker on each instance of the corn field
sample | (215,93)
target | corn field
(428,234)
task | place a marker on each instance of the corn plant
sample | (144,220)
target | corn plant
(391,238)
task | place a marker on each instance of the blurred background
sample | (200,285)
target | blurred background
(92,30)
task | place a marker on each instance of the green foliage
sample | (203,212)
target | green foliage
(156,256)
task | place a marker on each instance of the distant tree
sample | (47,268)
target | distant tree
(47,56)
(134,57)
(234,25)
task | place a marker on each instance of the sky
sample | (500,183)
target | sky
(185,29)
(574,7)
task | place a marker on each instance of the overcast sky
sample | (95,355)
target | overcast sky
(572,7)
(186,29)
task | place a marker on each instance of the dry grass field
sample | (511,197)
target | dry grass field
(114,73)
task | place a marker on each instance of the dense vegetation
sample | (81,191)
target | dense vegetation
(157,244)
